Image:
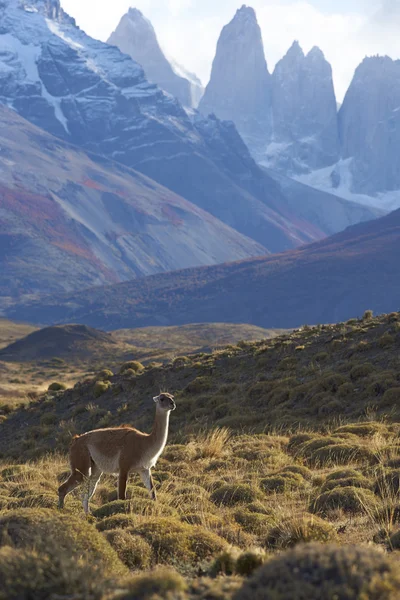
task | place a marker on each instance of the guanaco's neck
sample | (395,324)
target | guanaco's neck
(159,434)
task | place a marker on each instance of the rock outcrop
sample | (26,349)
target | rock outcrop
(240,86)
(305,133)
(369,121)
(135,36)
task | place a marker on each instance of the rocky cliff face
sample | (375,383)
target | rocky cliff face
(136,37)
(369,122)
(305,132)
(240,86)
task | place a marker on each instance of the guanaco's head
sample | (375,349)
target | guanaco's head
(165,402)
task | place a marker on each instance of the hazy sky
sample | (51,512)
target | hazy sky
(188,30)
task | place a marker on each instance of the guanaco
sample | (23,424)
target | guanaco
(120,451)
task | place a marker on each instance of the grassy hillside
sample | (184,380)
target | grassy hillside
(70,353)
(273,444)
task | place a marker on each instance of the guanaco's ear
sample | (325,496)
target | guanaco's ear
(156,398)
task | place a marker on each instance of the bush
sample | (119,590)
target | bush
(356,482)
(281,483)
(56,386)
(368,315)
(100,388)
(314,571)
(299,470)
(224,564)
(344,474)
(395,540)
(25,574)
(132,550)
(300,529)
(33,529)
(232,494)
(349,499)
(168,539)
(134,365)
(363,429)
(161,583)
(117,521)
(105,375)
(361,371)
(252,522)
(113,508)
(248,562)
(386,341)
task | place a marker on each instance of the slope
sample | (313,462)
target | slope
(324,282)
(68,222)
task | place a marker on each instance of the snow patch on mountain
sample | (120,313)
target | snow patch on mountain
(338,180)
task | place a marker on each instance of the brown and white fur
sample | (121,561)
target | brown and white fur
(117,450)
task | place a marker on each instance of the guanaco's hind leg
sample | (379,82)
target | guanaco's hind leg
(80,469)
(122,479)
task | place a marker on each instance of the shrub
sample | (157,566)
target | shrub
(48,419)
(363,429)
(357,482)
(113,508)
(395,540)
(134,365)
(314,571)
(33,528)
(132,550)
(299,470)
(300,529)
(56,386)
(281,483)
(117,521)
(368,315)
(105,375)
(232,494)
(361,371)
(224,564)
(388,483)
(27,574)
(248,562)
(343,474)
(160,583)
(168,538)
(386,340)
(349,499)
(100,387)
(252,522)
(198,385)
(204,544)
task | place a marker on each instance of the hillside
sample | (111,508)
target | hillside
(70,353)
(69,222)
(307,377)
(283,457)
(328,281)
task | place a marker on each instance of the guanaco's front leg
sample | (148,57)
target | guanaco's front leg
(148,482)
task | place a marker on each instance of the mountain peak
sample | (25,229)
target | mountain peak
(316,54)
(246,12)
(295,51)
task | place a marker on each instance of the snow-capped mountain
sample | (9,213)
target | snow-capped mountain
(135,36)
(240,86)
(91,94)
(305,132)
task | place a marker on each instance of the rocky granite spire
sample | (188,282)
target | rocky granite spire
(369,122)
(135,36)
(240,86)
(304,111)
